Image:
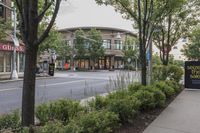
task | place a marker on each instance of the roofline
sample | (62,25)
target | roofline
(98,28)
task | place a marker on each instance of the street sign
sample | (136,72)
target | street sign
(148,55)
(192,74)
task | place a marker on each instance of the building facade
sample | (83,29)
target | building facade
(113,42)
(7,46)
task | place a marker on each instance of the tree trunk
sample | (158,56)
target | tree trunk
(166,59)
(144,68)
(28,96)
(142,46)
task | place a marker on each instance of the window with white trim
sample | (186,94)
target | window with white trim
(107,44)
(118,44)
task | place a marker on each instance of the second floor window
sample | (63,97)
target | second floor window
(118,44)
(107,44)
(87,44)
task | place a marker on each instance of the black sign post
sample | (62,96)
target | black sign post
(51,69)
(192,74)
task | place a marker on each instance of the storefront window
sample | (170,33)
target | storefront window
(101,63)
(1,61)
(86,64)
(8,61)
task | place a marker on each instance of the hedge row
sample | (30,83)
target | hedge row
(102,115)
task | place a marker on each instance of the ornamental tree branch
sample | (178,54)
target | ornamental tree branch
(51,23)
(45,8)
(128,10)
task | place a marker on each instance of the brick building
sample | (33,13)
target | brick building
(112,44)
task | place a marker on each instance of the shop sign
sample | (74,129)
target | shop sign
(192,74)
(9,47)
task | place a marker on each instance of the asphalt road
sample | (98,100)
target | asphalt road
(74,85)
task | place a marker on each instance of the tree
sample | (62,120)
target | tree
(80,44)
(131,49)
(175,24)
(63,51)
(96,49)
(144,13)
(192,50)
(30,17)
(53,41)
(4,26)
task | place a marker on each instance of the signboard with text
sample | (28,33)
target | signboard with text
(192,74)
(10,47)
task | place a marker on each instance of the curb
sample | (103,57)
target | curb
(84,102)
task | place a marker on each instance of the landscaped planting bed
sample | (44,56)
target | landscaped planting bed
(123,111)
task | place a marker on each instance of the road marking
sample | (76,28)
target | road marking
(62,83)
(69,82)
(10,89)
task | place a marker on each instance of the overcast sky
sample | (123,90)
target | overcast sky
(78,13)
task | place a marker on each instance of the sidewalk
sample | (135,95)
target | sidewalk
(181,116)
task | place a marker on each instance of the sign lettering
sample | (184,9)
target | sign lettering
(9,47)
(192,74)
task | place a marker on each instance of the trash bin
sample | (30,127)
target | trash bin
(51,69)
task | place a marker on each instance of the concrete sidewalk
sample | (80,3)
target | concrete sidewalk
(181,116)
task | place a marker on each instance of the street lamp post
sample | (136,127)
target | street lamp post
(14,74)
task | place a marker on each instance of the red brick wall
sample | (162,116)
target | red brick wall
(8,12)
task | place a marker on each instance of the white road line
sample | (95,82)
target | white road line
(10,89)
(69,82)
(61,83)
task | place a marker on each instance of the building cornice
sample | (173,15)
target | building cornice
(99,28)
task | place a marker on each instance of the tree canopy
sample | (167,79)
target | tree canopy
(192,50)
(96,49)
(177,23)
(145,15)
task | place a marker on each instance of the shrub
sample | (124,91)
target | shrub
(61,110)
(160,72)
(11,121)
(146,98)
(159,96)
(169,91)
(174,85)
(132,88)
(52,127)
(175,73)
(126,107)
(94,122)
(171,72)
(120,94)
(98,103)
